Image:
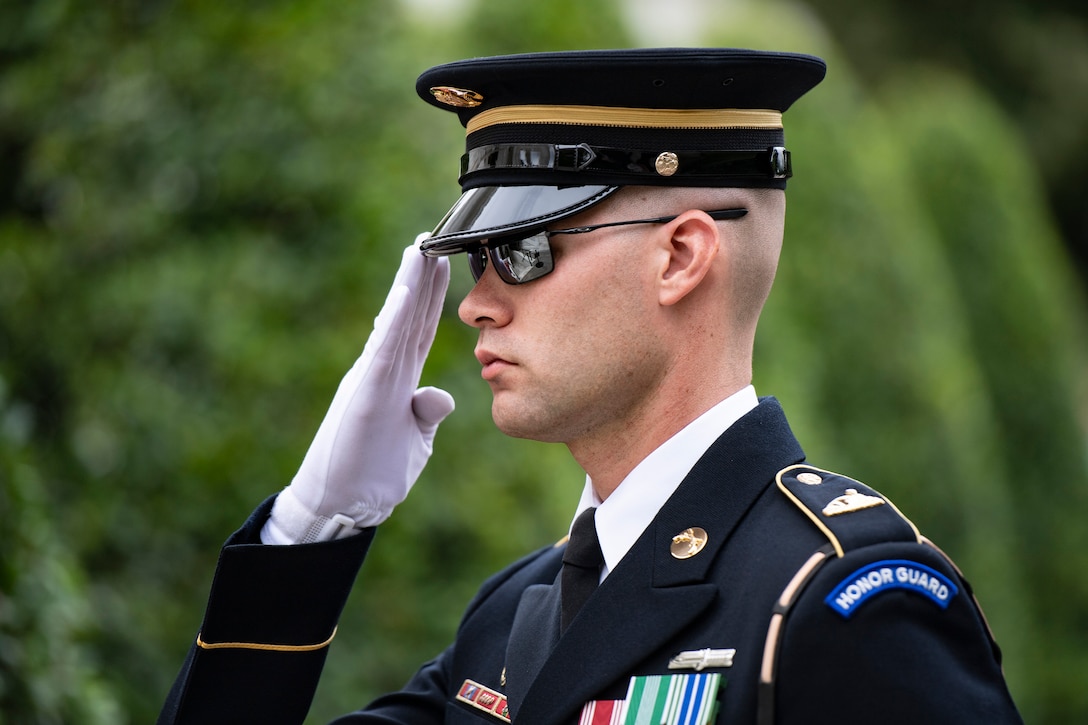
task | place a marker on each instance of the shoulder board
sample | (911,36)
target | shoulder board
(848,512)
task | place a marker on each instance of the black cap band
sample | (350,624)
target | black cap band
(770,163)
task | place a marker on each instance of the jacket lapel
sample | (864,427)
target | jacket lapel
(650,596)
(532,638)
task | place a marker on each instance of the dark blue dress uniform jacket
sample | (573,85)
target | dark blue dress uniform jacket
(760,586)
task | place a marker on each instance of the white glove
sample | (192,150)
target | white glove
(379,430)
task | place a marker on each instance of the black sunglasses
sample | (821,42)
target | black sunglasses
(522,259)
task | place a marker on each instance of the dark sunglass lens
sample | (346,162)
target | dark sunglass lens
(523,260)
(477,262)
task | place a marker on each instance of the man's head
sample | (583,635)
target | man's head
(622,213)
(633,317)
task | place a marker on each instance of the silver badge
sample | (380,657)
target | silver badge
(700,659)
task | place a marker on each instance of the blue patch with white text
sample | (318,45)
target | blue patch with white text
(885,576)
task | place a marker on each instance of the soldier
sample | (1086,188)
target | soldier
(622,214)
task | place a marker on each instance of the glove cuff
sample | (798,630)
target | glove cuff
(291,522)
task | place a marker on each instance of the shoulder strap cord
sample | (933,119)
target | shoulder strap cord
(765,703)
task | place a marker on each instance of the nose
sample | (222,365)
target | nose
(488,303)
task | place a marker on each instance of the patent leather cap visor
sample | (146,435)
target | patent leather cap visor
(489,212)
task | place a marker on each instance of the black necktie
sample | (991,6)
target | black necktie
(581,566)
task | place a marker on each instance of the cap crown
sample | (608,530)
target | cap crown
(641,102)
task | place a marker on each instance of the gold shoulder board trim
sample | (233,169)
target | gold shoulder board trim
(851,501)
(805,509)
(267,647)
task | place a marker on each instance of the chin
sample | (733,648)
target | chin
(522,424)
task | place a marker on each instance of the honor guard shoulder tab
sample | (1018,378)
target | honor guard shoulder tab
(849,513)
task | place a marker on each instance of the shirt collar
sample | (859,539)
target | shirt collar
(626,513)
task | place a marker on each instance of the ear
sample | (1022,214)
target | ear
(689,247)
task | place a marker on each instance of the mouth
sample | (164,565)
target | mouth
(493,364)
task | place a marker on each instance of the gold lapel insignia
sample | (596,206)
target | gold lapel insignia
(688,543)
(850,501)
(700,659)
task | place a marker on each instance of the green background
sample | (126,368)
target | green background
(202,205)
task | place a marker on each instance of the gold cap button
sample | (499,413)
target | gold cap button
(667,163)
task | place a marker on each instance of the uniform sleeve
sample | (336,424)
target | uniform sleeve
(889,633)
(271,616)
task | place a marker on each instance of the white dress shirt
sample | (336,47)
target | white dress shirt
(627,512)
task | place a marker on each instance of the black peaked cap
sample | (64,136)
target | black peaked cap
(551,134)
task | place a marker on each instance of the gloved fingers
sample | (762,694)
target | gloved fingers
(429,310)
(418,325)
(412,276)
(409,319)
(411,267)
(422,294)
(390,345)
(432,405)
(411,273)
(428,279)
(392,315)
(389,318)
(427,287)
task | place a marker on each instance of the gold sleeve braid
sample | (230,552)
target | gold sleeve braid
(266,647)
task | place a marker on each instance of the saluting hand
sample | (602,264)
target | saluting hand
(379,430)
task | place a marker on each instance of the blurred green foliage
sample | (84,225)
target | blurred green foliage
(1031,57)
(201,205)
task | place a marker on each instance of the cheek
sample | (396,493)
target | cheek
(598,327)
(599,309)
